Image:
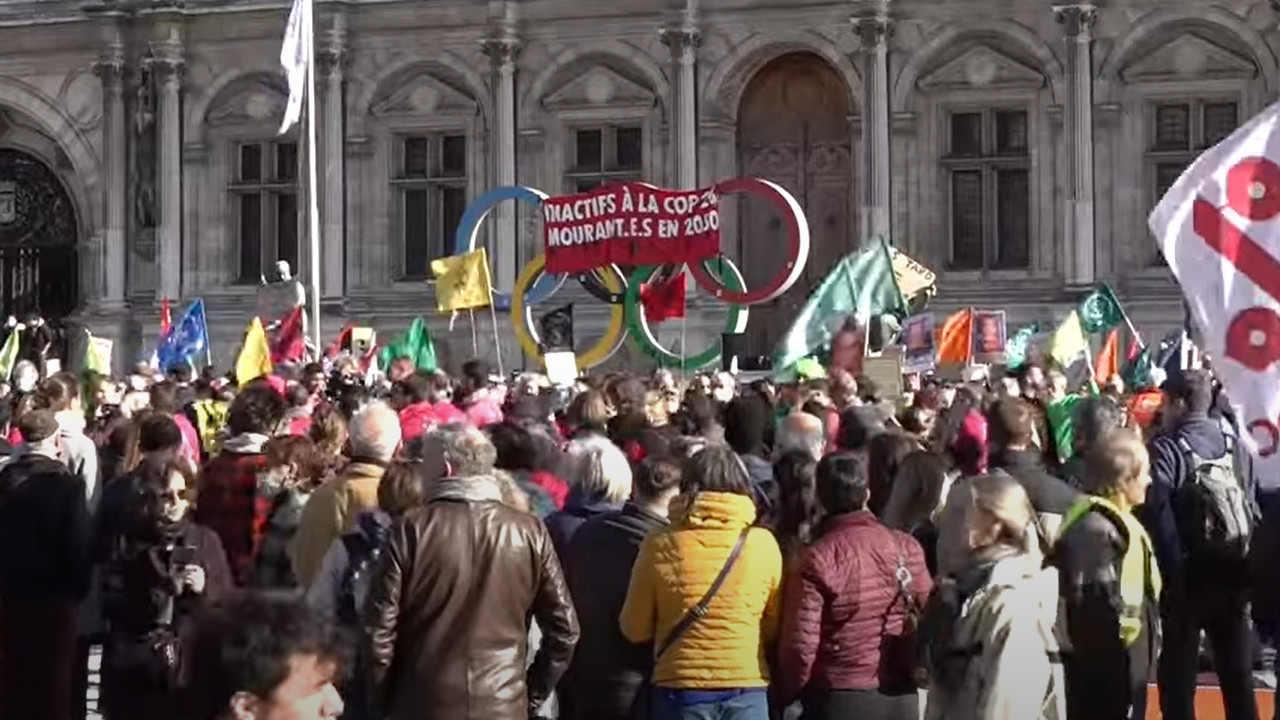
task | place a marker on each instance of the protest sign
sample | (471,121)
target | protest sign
(988,336)
(918,352)
(886,371)
(912,276)
(630,224)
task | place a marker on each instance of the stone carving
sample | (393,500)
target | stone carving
(280,294)
(1189,55)
(145,153)
(255,102)
(599,85)
(422,93)
(982,66)
(82,97)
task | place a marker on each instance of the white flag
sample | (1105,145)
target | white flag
(1219,228)
(295,52)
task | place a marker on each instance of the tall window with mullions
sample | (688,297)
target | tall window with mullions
(265,203)
(431,183)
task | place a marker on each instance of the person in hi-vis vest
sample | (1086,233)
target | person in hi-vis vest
(1110,585)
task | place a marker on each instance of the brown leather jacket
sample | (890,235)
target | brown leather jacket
(448,608)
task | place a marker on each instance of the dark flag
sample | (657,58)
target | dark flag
(556,328)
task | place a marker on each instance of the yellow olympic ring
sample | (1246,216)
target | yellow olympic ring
(527,334)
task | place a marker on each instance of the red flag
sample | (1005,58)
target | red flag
(663,300)
(1135,347)
(1108,363)
(288,345)
(339,343)
(166,317)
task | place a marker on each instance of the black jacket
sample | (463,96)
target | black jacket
(1170,467)
(1050,497)
(44,531)
(607,671)
(1264,558)
(1103,676)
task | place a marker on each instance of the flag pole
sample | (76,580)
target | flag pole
(208,339)
(475,339)
(313,206)
(497,344)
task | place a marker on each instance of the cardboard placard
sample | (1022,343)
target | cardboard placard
(886,370)
(913,277)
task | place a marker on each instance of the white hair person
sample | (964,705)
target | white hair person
(601,472)
(375,432)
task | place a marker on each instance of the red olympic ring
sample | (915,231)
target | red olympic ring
(797,227)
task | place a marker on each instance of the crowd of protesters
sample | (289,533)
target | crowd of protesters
(306,547)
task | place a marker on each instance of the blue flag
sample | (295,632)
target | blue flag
(186,339)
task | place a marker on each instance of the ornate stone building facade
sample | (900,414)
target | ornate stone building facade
(1013,145)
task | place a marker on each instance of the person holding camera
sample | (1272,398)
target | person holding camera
(162,568)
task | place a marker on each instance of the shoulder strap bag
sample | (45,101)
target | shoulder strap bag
(696,613)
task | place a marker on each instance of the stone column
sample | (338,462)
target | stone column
(503,48)
(1077,21)
(110,70)
(169,67)
(682,37)
(873,29)
(332,58)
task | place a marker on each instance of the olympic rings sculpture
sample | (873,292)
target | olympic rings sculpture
(719,277)
(735,321)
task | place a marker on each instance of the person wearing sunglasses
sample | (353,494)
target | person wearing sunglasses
(161,571)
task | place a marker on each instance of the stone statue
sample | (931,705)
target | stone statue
(144,155)
(280,296)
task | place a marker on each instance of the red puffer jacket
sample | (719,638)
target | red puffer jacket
(842,613)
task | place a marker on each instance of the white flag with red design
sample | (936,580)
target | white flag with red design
(1219,228)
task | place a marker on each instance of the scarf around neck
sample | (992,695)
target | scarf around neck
(474,489)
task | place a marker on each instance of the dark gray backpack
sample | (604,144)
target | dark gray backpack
(1215,522)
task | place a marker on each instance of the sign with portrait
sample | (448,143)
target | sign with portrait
(988,336)
(919,354)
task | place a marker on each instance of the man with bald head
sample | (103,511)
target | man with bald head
(800,431)
(333,508)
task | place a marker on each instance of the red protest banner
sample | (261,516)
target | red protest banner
(630,224)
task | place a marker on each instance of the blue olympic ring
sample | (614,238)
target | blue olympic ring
(468,235)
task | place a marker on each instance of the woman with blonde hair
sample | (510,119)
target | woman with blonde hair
(990,649)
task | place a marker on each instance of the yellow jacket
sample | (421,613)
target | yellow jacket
(330,512)
(726,648)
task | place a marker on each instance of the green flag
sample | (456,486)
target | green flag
(1100,310)
(1136,372)
(414,344)
(1015,350)
(9,353)
(861,284)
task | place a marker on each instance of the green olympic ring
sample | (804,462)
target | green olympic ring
(735,321)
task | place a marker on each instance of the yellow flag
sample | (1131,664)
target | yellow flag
(462,281)
(1068,341)
(255,356)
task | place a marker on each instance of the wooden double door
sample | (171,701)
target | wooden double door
(794,129)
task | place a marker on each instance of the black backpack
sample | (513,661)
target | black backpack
(1214,518)
(363,553)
